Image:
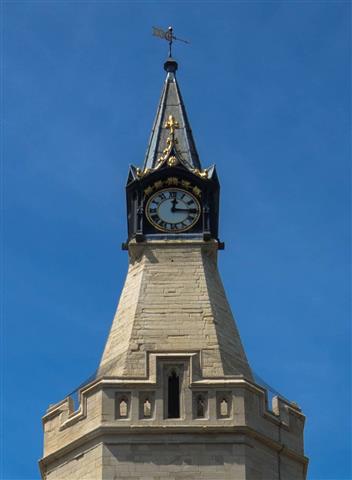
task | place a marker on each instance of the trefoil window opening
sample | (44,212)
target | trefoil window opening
(147,408)
(224,408)
(123,408)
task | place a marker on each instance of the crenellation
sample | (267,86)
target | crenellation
(246,408)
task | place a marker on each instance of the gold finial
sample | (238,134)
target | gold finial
(171,124)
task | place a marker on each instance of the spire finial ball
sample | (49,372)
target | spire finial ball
(170,65)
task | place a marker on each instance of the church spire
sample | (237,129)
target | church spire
(171,106)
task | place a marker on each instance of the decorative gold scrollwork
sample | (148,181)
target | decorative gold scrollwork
(171,160)
(141,173)
(166,151)
(148,190)
(171,124)
(172,181)
(201,173)
(197,191)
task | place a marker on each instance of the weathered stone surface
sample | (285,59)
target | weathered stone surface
(173,314)
(84,463)
(173,300)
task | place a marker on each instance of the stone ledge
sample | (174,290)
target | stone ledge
(146,435)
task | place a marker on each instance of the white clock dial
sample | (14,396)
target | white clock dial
(173,210)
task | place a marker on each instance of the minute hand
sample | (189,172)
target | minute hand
(189,210)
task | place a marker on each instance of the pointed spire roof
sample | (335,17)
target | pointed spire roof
(171,105)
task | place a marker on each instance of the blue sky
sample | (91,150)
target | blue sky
(267,89)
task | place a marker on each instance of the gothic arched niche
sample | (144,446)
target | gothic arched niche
(200,406)
(147,408)
(123,408)
(224,408)
(122,404)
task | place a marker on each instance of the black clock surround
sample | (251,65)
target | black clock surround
(140,188)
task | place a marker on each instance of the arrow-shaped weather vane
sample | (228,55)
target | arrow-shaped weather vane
(168,35)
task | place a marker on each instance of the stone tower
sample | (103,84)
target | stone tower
(174,396)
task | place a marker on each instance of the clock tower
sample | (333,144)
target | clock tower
(174,396)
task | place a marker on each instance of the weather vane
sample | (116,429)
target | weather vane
(168,35)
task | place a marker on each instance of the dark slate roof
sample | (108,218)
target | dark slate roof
(171,103)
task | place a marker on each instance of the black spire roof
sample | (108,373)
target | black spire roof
(171,105)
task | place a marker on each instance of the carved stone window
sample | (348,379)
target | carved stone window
(147,408)
(122,402)
(201,406)
(123,408)
(173,410)
(224,404)
(224,408)
(146,404)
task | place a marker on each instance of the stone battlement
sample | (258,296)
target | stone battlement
(231,406)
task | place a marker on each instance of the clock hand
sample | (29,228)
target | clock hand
(174,202)
(189,210)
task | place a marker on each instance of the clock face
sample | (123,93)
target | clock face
(173,210)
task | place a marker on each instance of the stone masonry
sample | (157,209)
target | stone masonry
(173,316)
(173,300)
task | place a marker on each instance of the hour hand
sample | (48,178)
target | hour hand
(174,202)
